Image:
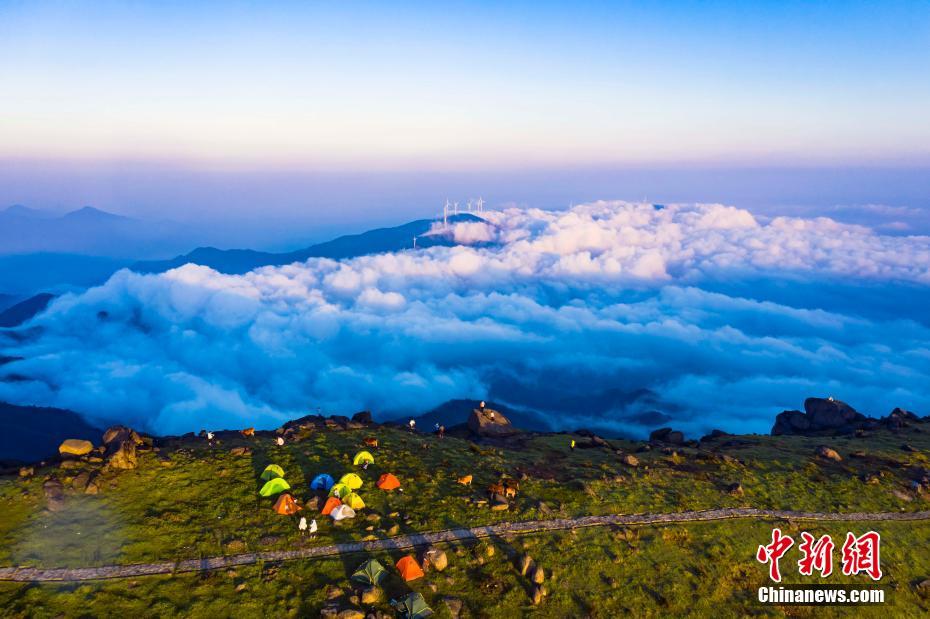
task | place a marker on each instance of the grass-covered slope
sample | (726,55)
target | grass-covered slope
(189,500)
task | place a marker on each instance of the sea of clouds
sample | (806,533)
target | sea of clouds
(609,315)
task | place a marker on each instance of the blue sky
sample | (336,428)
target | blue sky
(232,88)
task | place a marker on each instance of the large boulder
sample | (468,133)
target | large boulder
(75,447)
(120,434)
(120,443)
(667,435)
(821,415)
(827,414)
(488,422)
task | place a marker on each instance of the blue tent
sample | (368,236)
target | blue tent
(322,482)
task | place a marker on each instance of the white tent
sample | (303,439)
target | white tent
(341,512)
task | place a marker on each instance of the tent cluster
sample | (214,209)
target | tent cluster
(343,500)
(275,484)
(371,573)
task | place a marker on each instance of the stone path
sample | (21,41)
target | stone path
(405,542)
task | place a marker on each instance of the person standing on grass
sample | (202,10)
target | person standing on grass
(302,525)
(413,425)
(442,431)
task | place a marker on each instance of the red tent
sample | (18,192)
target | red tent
(286,505)
(408,568)
(331,504)
(388,482)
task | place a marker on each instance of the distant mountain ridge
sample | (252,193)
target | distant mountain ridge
(88,231)
(239,261)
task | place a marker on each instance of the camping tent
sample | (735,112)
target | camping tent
(408,568)
(331,504)
(363,457)
(388,482)
(286,505)
(354,501)
(322,482)
(352,480)
(340,490)
(371,572)
(342,512)
(271,471)
(413,607)
(274,486)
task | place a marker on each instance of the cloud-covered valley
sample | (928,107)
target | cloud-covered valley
(598,316)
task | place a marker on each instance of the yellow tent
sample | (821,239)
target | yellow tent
(351,480)
(363,457)
(271,471)
(354,501)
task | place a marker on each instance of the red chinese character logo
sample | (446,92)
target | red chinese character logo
(861,554)
(773,552)
(817,555)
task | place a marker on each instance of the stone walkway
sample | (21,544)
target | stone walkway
(405,542)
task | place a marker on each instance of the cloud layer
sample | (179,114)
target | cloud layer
(597,315)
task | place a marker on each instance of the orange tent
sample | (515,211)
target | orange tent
(331,504)
(408,568)
(286,505)
(388,482)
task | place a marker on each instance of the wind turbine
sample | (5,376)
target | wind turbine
(480,205)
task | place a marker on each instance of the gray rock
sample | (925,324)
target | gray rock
(487,422)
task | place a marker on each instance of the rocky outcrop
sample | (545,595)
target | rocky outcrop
(488,422)
(823,416)
(363,417)
(121,443)
(667,435)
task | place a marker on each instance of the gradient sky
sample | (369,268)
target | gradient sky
(465,84)
(346,87)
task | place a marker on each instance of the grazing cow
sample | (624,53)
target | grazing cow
(465,481)
(371,442)
(248,432)
(510,492)
(496,489)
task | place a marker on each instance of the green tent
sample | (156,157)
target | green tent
(274,486)
(413,607)
(271,471)
(369,573)
(340,490)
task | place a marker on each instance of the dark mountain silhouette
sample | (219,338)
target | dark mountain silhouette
(24,310)
(456,412)
(28,433)
(238,261)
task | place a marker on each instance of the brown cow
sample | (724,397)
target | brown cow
(465,481)
(371,442)
(248,432)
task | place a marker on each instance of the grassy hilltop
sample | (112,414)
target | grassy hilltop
(188,499)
